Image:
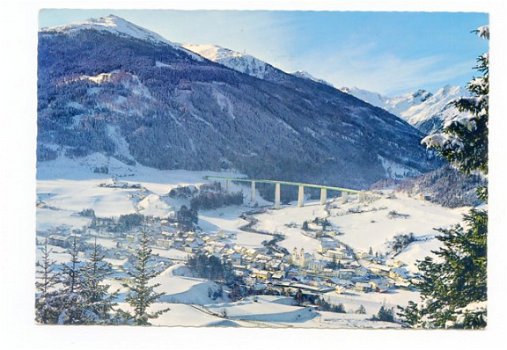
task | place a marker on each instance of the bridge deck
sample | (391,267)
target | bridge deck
(331,188)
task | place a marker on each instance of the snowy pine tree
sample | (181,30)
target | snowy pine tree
(46,298)
(384,314)
(361,310)
(454,291)
(142,293)
(464,139)
(72,302)
(98,302)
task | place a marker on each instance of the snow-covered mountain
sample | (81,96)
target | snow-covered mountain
(305,75)
(112,24)
(247,64)
(238,61)
(429,115)
(127,93)
(116,25)
(422,109)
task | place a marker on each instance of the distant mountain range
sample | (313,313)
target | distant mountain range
(109,86)
(422,109)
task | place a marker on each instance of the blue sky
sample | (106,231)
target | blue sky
(387,52)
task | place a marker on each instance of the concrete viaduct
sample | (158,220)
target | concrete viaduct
(301,188)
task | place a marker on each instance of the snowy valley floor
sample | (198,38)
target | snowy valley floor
(66,187)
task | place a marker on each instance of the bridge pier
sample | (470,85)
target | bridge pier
(301,196)
(277,195)
(323,196)
(253,192)
(227,182)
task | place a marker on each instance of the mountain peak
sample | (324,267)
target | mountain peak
(450,90)
(421,108)
(213,52)
(118,26)
(305,75)
(112,24)
(235,60)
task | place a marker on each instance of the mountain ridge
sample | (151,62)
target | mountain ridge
(104,92)
(424,110)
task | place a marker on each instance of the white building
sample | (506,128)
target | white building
(327,243)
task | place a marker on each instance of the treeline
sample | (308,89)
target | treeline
(401,241)
(446,186)
(125,222)
(211,267)
(326,306)
(213,200)
(186,218)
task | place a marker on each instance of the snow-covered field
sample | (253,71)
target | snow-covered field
(275,221)
(47,218)
(228,220)
(418,251)
(73,185)
(262,313)
(372,301)
(373,229)
(179,288)
(190,305)
(78,195)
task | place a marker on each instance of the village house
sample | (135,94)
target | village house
(380,286)
(236,258)
(327,243)
(345,274)
(277,276)
(178,243)
(378,268)
(399,274)
(164,243)
(57,240)
(260,274)
(339,254)
(168,233)
(363,287)
(259,287)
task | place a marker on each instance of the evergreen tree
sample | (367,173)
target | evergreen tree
(384,314)
(299,297)
(454,291)
(141,293)
(464,140)
(72,302)
(361,310)
(46,299)
(99,302)
(72,270)
(340,308)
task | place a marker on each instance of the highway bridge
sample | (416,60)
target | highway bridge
(301,188)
